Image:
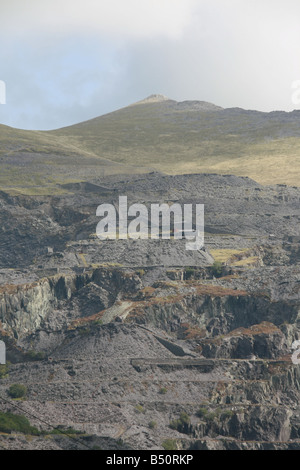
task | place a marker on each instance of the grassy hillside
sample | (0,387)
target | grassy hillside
(161,134)
(182,138)
(33,162)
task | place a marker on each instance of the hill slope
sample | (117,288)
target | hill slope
(155,133)
(36,162)
(195,137)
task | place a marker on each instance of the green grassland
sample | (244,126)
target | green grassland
(162,136)
(36,162)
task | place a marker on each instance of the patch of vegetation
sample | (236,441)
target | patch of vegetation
(227,414)
(152,424)
(217,269)
(17,391)
(169,444)
(224,254)
(181,424)
(10,422)
(140,272)
(252,260)
(209,416)
(63,430)
(4,368)
(202,412)
(35,355)
(139,409)
(163,390)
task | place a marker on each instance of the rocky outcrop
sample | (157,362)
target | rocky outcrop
(52,303)
(145,342)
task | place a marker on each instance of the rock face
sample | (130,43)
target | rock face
(140,345)
(26,308)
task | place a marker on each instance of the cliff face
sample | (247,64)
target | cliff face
(52,303)
(200,360)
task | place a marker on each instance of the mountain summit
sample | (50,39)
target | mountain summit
(156,98)
(188,105)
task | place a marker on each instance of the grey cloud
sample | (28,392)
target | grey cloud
(231,55)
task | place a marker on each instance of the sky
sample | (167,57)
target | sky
(66,61)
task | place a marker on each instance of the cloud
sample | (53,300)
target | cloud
(122,18)
(70,60)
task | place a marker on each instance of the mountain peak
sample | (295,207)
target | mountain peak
(156,98)
(180,105)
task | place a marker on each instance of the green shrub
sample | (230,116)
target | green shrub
(211,416)
(174,424)
(202,412)
(17,391)
(163,390)
(169,444)
(10,422)
(4,370)
(35,356)
(139,409)
(182,423)
(140,272)
(63,430)
(226,415)
(207,415)
(152,424)
(217,269)
(184,418)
